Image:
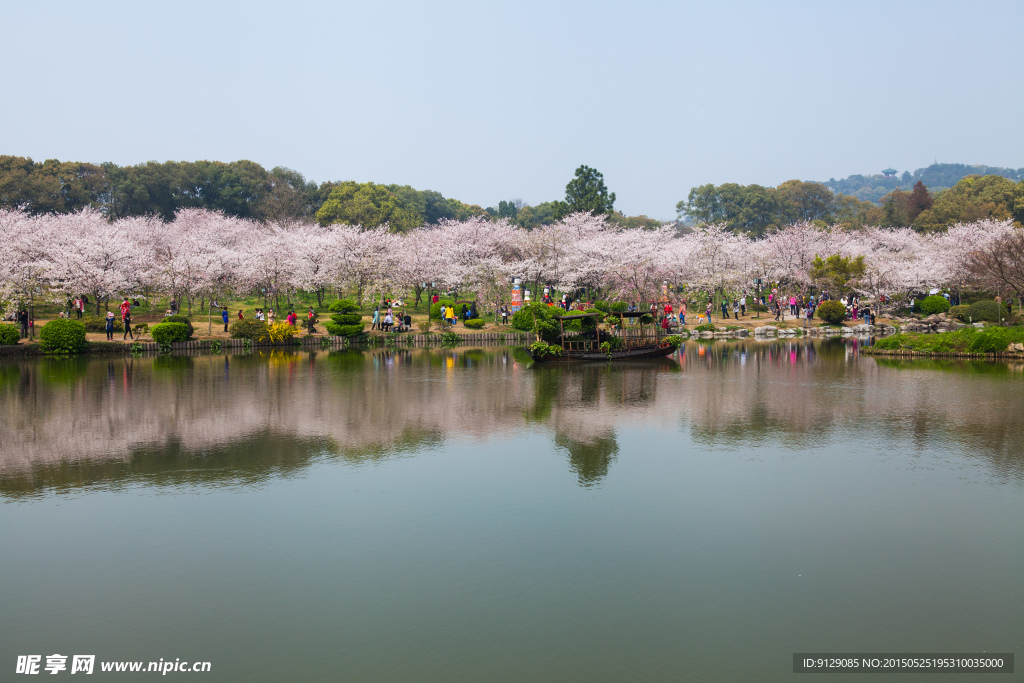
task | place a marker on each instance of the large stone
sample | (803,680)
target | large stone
(1019,348)
(707,335)
(766,331)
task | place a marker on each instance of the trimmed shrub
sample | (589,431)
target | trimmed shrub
(249,328)
(933,304)
(706,327)
(618,307)
(62,336)
(343,306)
(165,333)
(337,330)
(832,312)
(346,321)
(94,323)
(9,334)
(987,311)
(959,312)
(475,323)
(181,319)
(602,306)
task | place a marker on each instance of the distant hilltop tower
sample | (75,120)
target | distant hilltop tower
(889,172)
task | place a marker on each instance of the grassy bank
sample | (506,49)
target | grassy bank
(968,340)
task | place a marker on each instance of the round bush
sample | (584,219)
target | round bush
(959,312)
(94,323)
(988,311)
(933,304)
(9,334)
(618,307)
(249,328)
(832,312)
(62,336)
(475,323)
(165,333)
(181,319)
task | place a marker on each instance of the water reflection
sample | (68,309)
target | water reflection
(241,419)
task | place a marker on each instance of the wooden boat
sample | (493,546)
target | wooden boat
(590,350)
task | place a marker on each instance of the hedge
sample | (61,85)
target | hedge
(249,328)
(181,319)
(165,333)
(62,336)
(9,334)
(475,323)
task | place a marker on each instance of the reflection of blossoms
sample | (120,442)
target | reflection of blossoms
(71,420)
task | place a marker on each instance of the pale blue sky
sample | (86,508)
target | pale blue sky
(486,101)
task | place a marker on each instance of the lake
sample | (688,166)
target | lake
(464,515)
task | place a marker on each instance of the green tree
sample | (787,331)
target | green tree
(896,209)
(806,201)
(368,205)
(836,272)
(586,192)
(530,217)
(972,198)
(920,200)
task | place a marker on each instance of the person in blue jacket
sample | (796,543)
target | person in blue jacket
(224,317)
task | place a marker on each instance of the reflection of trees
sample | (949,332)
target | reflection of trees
(240,419)
(590,459)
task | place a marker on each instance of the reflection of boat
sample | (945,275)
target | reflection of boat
(625,346)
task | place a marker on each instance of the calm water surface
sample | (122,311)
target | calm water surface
(458,515)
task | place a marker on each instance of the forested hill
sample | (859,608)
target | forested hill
(936,177)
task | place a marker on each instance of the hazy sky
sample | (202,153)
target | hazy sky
(485,101)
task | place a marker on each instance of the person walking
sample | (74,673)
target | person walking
(807,316)
(126,318)
(224,317)
(725,309)
(682,313)
(376,319)
(504,314)
(110,326)
(736,308)
(743,304)
(271,317)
